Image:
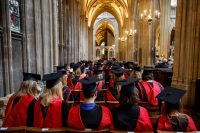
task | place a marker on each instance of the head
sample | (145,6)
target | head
(49,93)
(83,70)
(89,87)
(53,87)
(171,97)
(29,85)
(170,108)
(127,92)
(63,79)
(147,74)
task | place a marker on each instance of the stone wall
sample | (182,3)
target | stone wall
(34,49)
(3,103)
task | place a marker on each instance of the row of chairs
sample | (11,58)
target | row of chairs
(70,130)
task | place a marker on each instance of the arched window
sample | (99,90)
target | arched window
(14,9)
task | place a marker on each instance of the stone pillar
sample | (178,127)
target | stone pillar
(7,50)
(187,46)
(164,27)
(61,20)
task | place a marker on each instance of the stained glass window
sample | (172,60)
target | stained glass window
(14,8)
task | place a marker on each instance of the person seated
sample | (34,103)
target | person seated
(101,84)
(50,111)
(66,90)
(129,116)
(88,114)
(173,119)
(19,102)
(149,88)
(118,74)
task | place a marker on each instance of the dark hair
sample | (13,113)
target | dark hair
(127,95)
(82,69)
(171,107)
(148,76)
(89,91)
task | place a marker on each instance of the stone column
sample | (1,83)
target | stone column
(61,12)
(187,46)
(164,28)
(7,50)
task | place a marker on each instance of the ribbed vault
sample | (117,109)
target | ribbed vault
(118,8)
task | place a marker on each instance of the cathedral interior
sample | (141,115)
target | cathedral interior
(37,35)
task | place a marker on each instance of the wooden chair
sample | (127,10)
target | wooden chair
(13,129)
(71,130)
(112,104)
(120,131)
(45,130)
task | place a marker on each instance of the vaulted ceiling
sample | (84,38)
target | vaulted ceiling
(118,8)
(101,32)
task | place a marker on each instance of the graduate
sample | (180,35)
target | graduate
(63,79)
(50,111)
(173,119)
(129,116)
(16,109)
(88,114)
(149,88)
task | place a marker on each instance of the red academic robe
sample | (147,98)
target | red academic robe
(151,92)
(53,117)
(18,115)
(143,123)
(9,105)
(70,84)
(165,125)
(74,118)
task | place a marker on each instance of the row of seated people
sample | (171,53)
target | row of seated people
(50,110)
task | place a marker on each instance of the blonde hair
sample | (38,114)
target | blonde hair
(49,93)
(63,79)
(29,87)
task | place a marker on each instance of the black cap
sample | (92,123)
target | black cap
(127,85)
(137,68)
(148,70)
(52,79)
(97,71)
(127,81)
(118,71)
(171,95)
(76,66)
(31,76)
(60,67)
(89,85)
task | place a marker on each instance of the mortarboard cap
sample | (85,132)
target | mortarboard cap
(52,79)
(127,85)
(171,95)
(118,71)
(60,67)
(31,76)
(137,68)
(89,85)
(148,70)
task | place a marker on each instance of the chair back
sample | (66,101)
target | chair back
(45,130)
(71,130)
(13,129)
